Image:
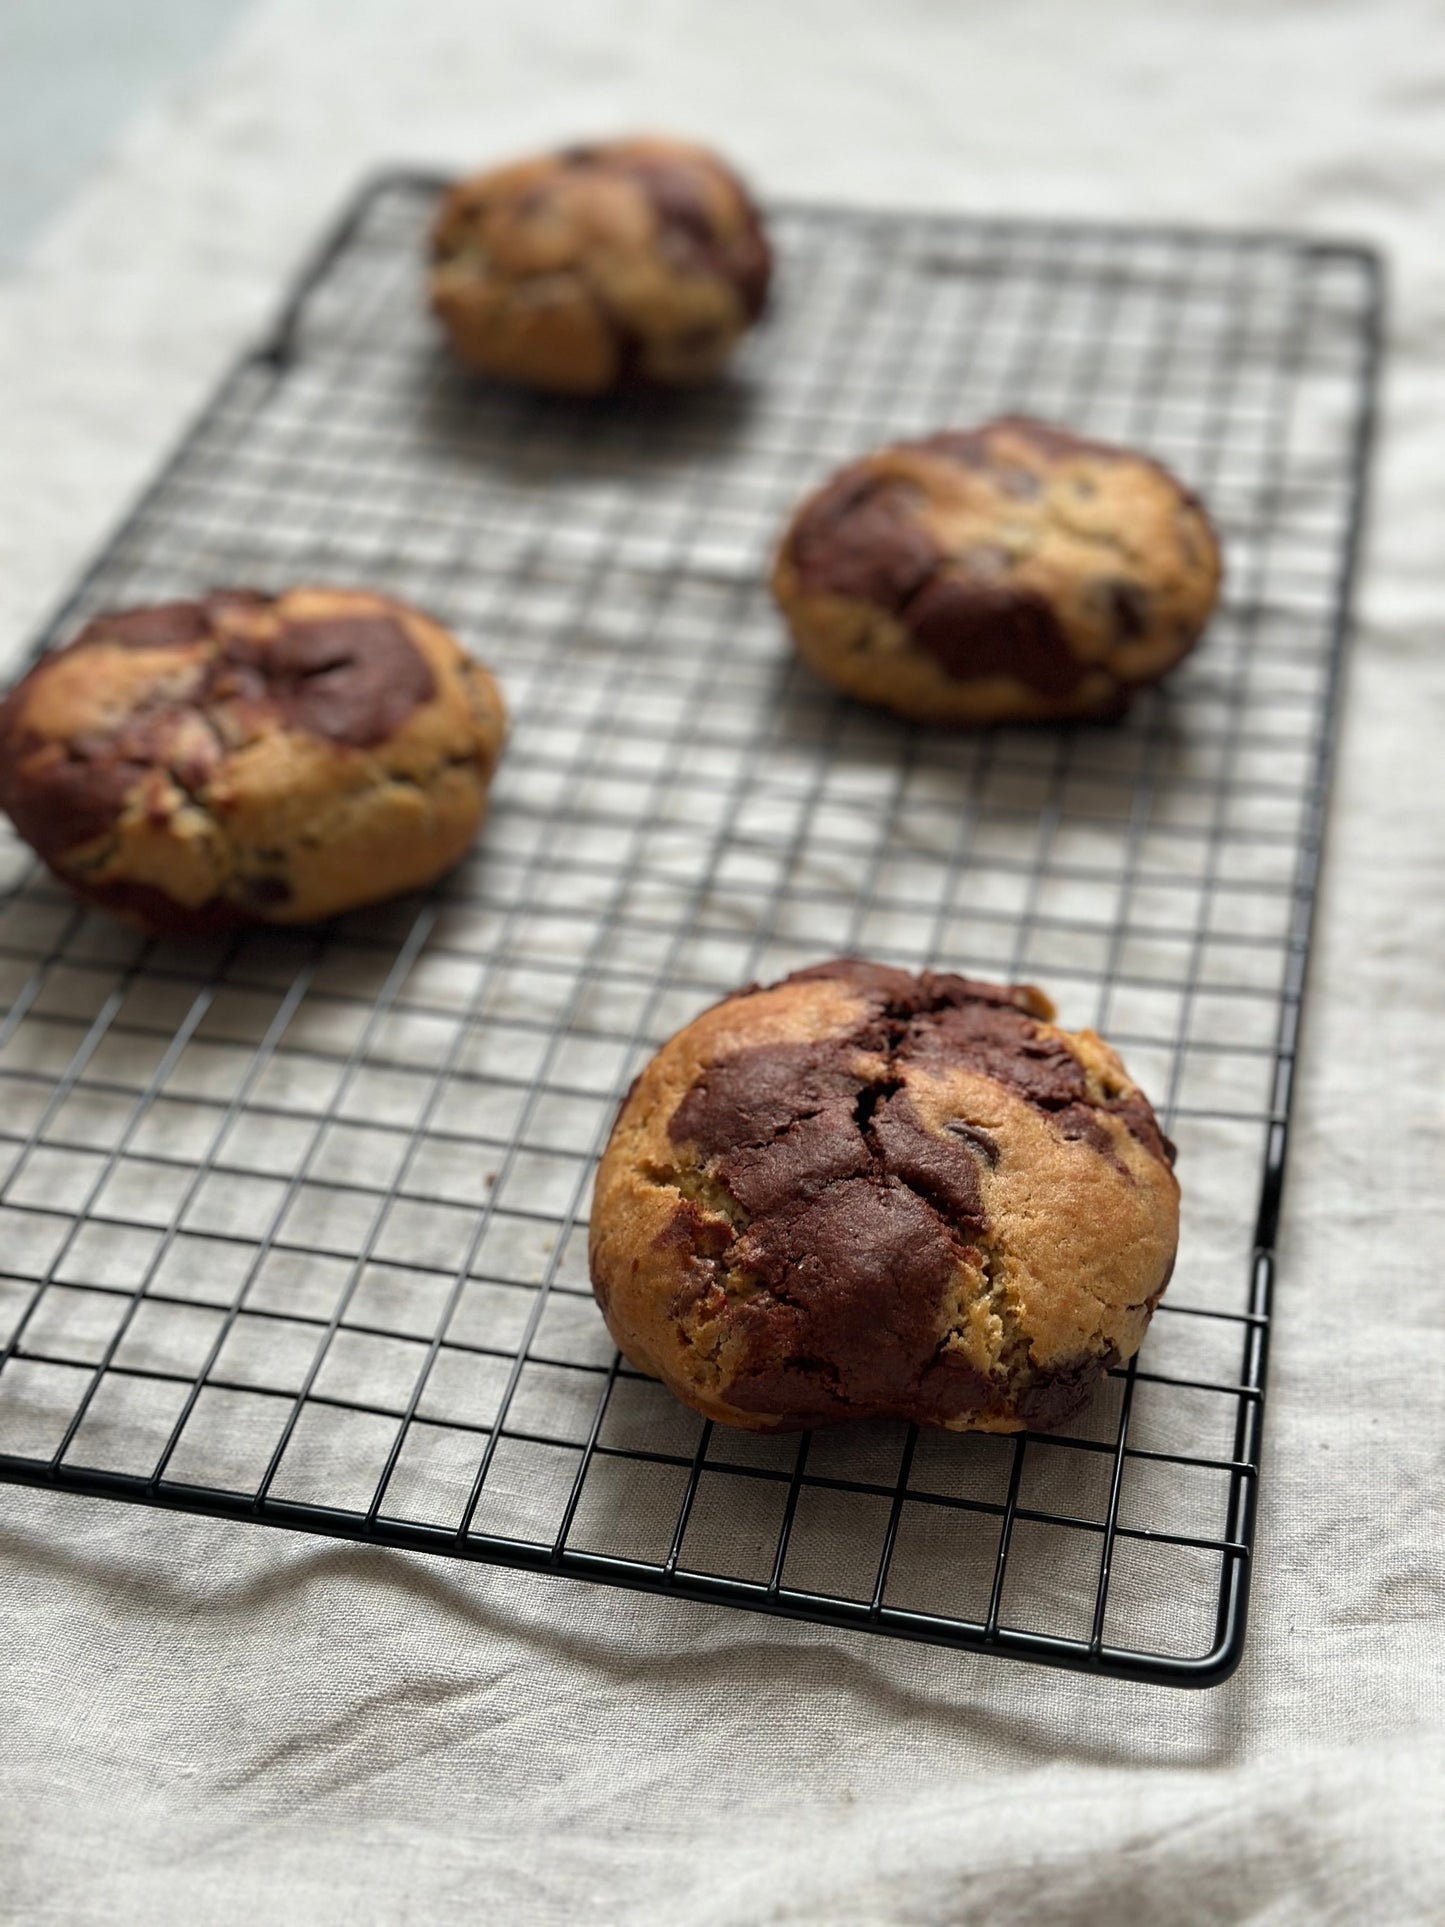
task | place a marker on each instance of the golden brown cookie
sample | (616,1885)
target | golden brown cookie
(633,260)
(1004,574)
(249,758)
(865,1194)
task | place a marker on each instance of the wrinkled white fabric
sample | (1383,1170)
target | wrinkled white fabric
(202,1722)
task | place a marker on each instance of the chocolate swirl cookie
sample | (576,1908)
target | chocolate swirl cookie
(249,758)
(864,1194)
(1003,574)
(634,260)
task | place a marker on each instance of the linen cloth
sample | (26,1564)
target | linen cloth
(201,1721)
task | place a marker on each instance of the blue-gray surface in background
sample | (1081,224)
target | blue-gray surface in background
(72,74)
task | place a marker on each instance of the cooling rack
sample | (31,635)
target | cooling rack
(292,1225)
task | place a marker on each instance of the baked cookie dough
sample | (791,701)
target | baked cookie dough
(865,1194)
(1010,573)
(248,758)
(637,260)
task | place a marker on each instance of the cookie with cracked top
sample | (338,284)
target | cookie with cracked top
(246,758)
(1009,573)
(640,260)
(866,1194)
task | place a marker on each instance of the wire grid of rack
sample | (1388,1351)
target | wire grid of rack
(293,1225)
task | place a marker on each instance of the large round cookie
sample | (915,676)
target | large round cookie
(862,1193)
(1002,574)
(632,260)
(251,759)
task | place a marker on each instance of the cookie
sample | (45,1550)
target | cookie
(866,1194)
(195,766)
(637,260)
(1011,573)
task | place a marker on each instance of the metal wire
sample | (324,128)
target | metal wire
(294,1226)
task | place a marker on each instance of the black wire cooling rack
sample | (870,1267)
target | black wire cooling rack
(293,1225)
